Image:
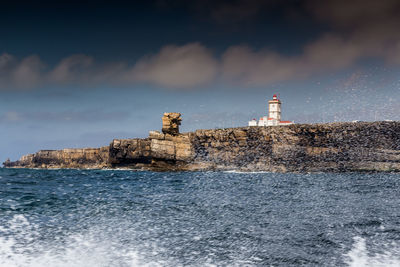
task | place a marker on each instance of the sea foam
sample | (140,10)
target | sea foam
(360,256)
(20,246)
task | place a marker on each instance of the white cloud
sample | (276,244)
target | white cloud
(177,66)
(71,69)
(174,66)
(28,72)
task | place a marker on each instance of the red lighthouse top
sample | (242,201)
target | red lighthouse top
(274,100)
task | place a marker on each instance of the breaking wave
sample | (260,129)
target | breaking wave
(20,245)
(387,255)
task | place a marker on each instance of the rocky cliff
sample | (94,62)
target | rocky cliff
(303,147)
(361,146)
(65,158)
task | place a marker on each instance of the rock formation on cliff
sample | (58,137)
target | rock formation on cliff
(362,146)
(171,122)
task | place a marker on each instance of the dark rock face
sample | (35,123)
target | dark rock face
(304,147)
(129,152)
(362,146)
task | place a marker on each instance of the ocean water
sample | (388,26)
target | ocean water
(127,218)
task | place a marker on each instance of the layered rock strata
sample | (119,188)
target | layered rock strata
(66,158)
(362,146)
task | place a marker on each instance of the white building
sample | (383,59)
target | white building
(274,115)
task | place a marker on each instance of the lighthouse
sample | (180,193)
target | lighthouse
(274,115)
(274,107)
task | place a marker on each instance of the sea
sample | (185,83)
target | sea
(51,218)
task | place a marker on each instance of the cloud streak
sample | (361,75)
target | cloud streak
(173,66)
(85,116)
(193,65)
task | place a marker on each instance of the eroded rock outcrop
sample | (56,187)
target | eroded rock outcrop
(174,152)
(171,122)
(362,146)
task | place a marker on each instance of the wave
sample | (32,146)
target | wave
(20,246)
(359,255)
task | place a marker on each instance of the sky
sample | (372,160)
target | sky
(81,74)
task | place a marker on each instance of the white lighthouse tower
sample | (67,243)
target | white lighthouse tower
(274,115)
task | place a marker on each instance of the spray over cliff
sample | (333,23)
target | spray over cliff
(334,147)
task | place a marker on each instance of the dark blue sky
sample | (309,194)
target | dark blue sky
(126,31)
(76,75)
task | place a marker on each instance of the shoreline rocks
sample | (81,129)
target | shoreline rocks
(333,147)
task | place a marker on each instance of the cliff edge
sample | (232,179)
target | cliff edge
(333,147)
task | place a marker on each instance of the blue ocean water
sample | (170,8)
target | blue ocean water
(128,218)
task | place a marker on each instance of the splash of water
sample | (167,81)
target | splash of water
(360,256)
(19,246)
